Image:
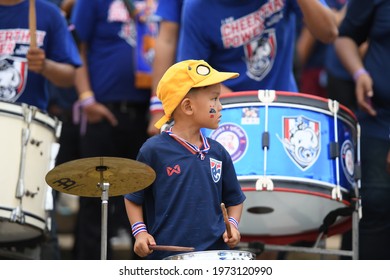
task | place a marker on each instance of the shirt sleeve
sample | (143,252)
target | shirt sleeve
(61,46)
(83,18)
(169,10)
(357,21)
(138,196)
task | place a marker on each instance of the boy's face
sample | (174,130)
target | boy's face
(206,106)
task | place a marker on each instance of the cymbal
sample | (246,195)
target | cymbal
(83,177)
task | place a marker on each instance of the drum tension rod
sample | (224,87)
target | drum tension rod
(28,112)
(266,97)
(334,150)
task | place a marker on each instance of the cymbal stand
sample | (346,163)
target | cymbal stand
(104,187)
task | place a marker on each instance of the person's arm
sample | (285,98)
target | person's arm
(82,78)
(304,45)
(319,20)
(142,238)
(165,56)
(349,54)
(60,74)
(67,6)
(165,50)
(95,111)
(234,212)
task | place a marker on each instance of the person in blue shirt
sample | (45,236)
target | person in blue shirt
(113,111)
(264,56)
(368,21)
(194,174)
(168,14)
(255,38)
(313,56)
(54,58)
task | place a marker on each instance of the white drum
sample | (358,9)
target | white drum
(214,255)
(27,154)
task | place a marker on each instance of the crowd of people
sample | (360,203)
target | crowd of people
(116,71)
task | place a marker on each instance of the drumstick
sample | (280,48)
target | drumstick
(171,248)
(226,219)
(32,24)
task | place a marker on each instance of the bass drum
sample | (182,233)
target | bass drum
(295,158)
(28,149)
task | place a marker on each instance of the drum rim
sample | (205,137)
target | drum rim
(208,252)
(283,96)
(291,179)
(26,213)
(40,117)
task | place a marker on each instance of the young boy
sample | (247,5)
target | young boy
(195,174)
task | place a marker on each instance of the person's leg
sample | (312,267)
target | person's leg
(129,136)
(374,228)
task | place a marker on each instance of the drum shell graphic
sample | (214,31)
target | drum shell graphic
(299,145)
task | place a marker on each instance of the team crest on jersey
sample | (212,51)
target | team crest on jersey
(301,140)
(13,77)
(216,169)
(348,160)
(260,55)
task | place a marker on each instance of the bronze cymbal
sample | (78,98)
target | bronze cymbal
(83,177)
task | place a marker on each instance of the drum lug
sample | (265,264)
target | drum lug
(17,215)
(336,194)
(28,113)
(333,106)
(48,222)
(58,128)
(266,96)
(20,189)
(264,183)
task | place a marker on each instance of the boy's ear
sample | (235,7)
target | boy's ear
(186,106)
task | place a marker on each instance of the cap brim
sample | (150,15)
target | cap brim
(161,122)
(216,78)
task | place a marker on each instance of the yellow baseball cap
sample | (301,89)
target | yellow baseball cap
(180,78)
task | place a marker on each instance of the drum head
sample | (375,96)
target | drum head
(214,255)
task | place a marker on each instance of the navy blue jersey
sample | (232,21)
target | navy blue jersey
(182,206)
(369,20)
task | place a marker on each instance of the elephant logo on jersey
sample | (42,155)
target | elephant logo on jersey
(260,55)
(13,76)
(216,169)
(301,140)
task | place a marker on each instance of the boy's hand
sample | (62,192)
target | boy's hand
(142,242)
(234,240)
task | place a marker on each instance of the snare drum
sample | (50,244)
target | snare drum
(294,155)
(27,154)
(214,255)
